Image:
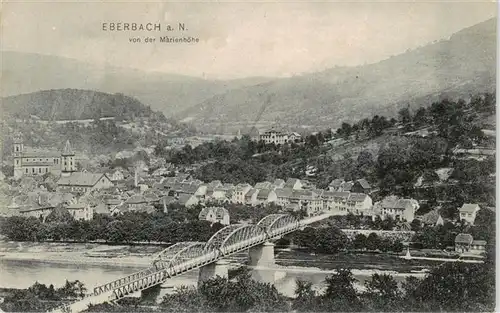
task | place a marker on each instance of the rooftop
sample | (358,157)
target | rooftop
(469,208)
(67,149)
(464,238)
(80,179)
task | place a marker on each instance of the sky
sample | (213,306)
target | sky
(236,39)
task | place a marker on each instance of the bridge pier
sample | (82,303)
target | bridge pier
(212,270)
(261,262)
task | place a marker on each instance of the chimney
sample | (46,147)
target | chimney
(136,177)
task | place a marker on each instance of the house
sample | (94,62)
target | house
(251,196)
(279,183)
(359,203)
(185,188)
(274,137)
(293,199)
(187,200)
(294,137)
(219,194)
(398,209)
(136,202)
(336,184)
(432,218)
(478,247)
(307,184)
(81,211)
(283,196)
(162,171)
(346,186)
(214,215)
(263,185)
(468,212)
(116,175)
(215,184)
(166,200)
(265,196)
(293,183)
(239,193)
(335,201)
(463,242)
(361,186)
(83,182)
(103,209)
(119,210)
(40,212)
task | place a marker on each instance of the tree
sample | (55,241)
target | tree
(330,240)
(404,115)
(359,241)
(372,242)
(457,286)
(340,294)
(305,297)
(416,225)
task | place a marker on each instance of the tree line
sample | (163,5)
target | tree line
(127,228)
(41,298)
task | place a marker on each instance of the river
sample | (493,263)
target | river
(23,273)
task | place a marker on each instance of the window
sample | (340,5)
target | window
(46,170)
(39,170)
(32,169)
(17,148)
(26,171)
(17,162)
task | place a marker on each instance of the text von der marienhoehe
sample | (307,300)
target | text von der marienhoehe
(151,27)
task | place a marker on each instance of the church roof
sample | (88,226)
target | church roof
(67,149)
(30,152)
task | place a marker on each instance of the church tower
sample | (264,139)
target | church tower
(18,150)
(68,164)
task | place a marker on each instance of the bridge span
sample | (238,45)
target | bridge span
(207,256)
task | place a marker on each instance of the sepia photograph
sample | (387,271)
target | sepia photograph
(248,156)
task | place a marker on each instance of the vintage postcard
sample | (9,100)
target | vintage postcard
(234,156)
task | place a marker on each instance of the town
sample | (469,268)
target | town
(345,164)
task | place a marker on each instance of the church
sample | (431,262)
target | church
(30,162)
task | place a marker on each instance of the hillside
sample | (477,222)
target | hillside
(41,117)
(463,64)
(71,104)
(27,72)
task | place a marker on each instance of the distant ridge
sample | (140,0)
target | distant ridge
(461,65)
(29,72)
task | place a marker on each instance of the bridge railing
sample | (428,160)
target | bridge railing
(122,281)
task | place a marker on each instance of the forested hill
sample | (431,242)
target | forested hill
(74,104)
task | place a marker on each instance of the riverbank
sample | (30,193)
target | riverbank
(142,257)
(83,254)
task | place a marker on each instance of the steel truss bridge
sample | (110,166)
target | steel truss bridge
(183,257)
